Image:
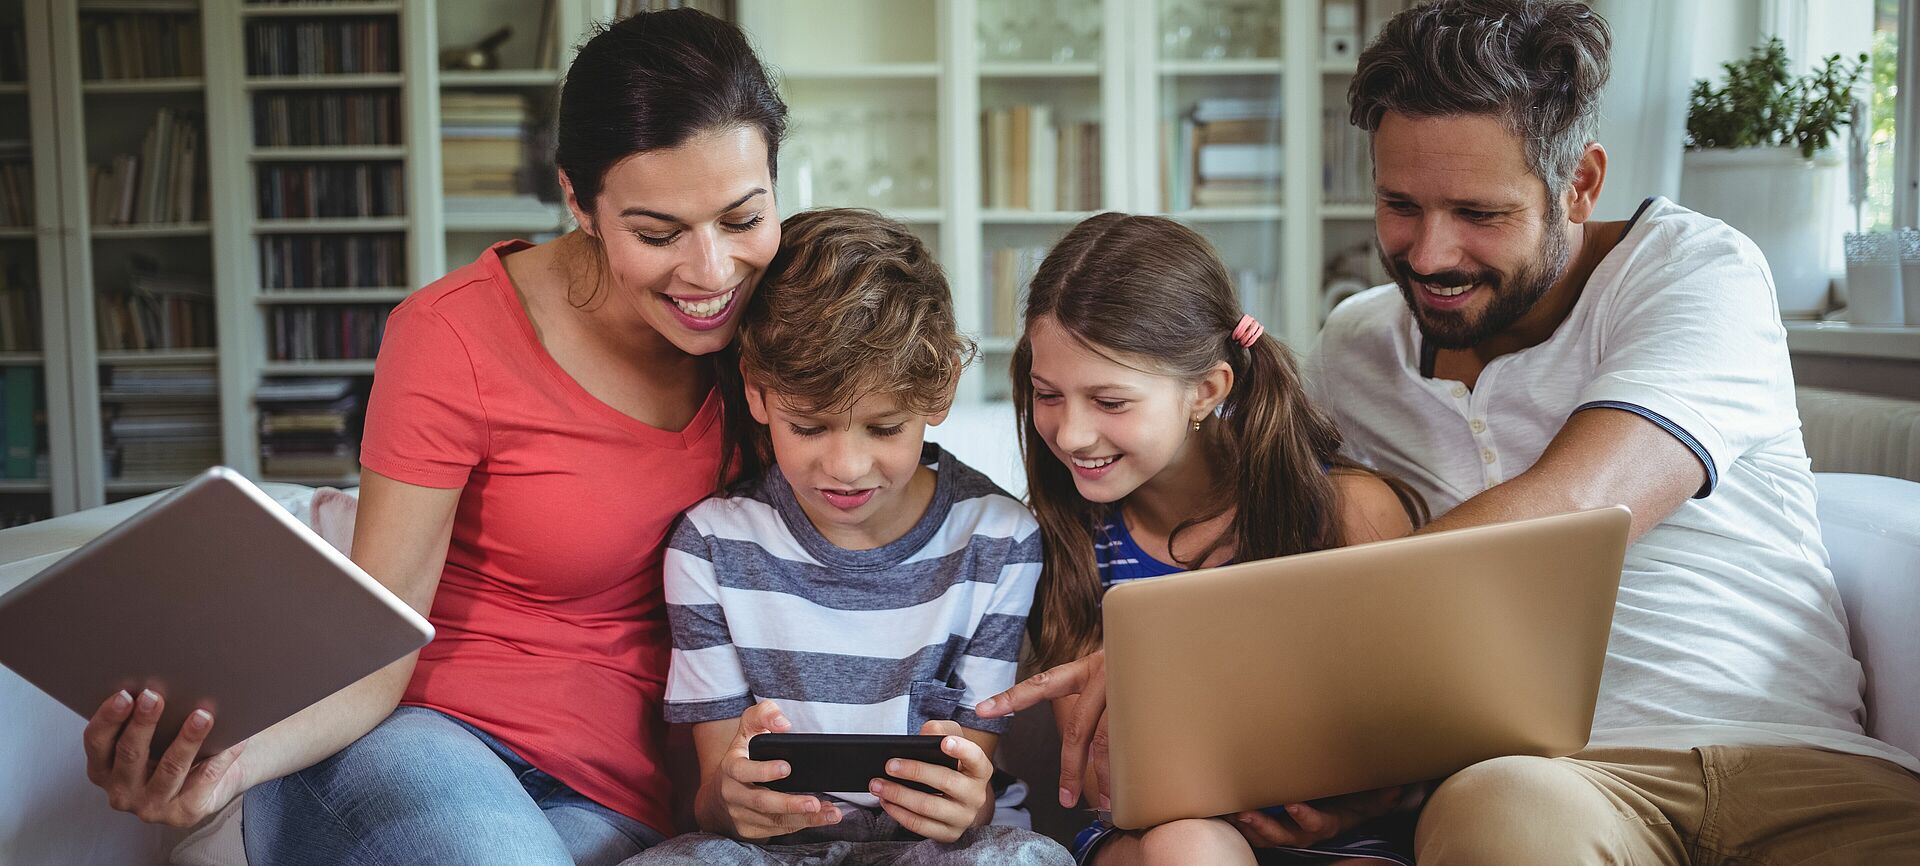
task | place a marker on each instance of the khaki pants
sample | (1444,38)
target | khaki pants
(1705,807)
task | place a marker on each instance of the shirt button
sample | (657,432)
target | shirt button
(1459,390)
(1478,426)
(1486,455)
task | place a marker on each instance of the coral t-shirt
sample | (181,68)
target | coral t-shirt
(551,619)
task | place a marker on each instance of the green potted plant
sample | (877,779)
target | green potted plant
(1760,156)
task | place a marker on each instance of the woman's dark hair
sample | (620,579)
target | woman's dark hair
(653,81)
(1152,294)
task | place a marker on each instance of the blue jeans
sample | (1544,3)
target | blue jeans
(425,788)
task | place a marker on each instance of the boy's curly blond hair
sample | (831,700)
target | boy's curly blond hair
(852,304)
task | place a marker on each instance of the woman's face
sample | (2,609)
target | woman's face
(687,232)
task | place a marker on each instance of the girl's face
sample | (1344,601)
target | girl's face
(687,232)
(1114,426)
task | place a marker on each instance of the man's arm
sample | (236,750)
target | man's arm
(1601,457)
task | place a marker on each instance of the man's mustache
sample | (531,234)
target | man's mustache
(1444,279)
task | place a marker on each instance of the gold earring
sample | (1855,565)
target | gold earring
(1196,425)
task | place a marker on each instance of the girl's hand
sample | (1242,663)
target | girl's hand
(174,789)
(1305,825)
(1083,735)
(966,790)
(755,812)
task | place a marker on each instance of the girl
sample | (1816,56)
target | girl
(1165,432)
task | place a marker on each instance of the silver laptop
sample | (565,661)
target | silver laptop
(213,596)
(1346,670)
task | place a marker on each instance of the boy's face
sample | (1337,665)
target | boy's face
(856,474)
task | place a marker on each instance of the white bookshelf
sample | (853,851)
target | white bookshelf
(924,66)
(891,53)
(106,118)
(27,112)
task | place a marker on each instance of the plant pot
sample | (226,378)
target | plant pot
(1781,200)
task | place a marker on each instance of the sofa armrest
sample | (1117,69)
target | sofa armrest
(1871,528)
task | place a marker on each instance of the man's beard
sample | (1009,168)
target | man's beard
(1512,295)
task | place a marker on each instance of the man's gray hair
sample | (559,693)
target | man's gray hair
(1537,65)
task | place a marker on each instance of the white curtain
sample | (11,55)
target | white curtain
(1643,120)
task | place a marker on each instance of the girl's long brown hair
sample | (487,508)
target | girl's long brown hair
(1148,289)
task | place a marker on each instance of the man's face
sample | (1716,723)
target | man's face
(1465,228)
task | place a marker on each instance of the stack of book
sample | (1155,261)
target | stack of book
(1032,161)
(137,384)
(159,422)
(1225,152)
(340,46)
(16,182)
(1237,157)
(161,440)
(1009,269)
(138,45)
(22,424)
(1346,159)
(330,261)
(326,119)
(309,427)
(158,185)
(157,311)
(19,307)
(483,147)
(326,333)
(295,191)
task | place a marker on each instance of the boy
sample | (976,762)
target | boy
(867,583)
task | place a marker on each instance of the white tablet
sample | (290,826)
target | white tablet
(214,597)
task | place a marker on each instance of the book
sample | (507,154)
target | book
(1239,162)
(22,400)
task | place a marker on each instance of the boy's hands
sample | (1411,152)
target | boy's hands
(966,790)
(755,812)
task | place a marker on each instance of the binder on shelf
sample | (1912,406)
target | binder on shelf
(22,437)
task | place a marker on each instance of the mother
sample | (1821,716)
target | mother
(538,419)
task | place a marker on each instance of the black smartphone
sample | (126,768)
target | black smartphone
(844,762)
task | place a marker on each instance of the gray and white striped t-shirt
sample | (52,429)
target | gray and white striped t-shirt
(876,641)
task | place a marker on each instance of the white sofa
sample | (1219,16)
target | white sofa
(49,814)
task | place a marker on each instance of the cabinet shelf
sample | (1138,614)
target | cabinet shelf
(325,82)
(321,153)
(316,9)
(142,85)
(152,230)
(332,296)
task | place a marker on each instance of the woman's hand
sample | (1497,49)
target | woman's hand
(1305,825)
(753,812)
(1083,730)
(964,793)
(175,789)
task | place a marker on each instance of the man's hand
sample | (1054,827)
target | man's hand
(1083,727)
(1304,825)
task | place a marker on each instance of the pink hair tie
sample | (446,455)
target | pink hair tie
(1248,331)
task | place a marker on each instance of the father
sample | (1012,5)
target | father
(1534,361)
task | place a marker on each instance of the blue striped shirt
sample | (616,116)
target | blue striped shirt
(1119,558)
(764,607)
